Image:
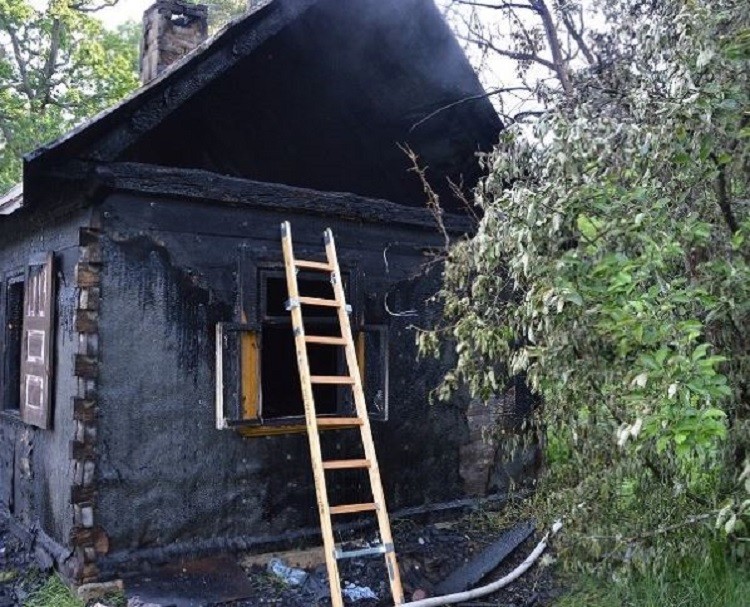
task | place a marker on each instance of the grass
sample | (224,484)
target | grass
(54,593)
(712,582)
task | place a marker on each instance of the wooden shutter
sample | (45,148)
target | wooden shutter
(372,356)
(37,340)
(237,375)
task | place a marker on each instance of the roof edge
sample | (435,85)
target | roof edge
(197,184)
(285,11)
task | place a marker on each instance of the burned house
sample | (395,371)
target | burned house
(151,403)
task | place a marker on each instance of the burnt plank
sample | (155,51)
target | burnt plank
(92,254)
(88,236)
(88,299)
(82,451)
(84,410)
(94,537)
(85,366)
(86,321)
(471,573)
(82,495)
(208,186)
(87,275)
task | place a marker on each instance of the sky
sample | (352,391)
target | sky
(496,71)
(124,10)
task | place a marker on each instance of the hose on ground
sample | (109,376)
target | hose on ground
(476,593)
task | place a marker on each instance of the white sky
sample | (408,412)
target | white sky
(499,71)
(124,10)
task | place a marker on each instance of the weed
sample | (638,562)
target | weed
(54,593)
(711,581)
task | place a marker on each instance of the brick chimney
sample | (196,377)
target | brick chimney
(171,29)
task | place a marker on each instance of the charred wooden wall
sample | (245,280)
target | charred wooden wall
(166,475)
(35,468)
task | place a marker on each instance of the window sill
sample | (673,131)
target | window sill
(277,426)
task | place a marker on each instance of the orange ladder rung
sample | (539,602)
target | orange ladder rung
(325,340)
(353,508)
(343,380)
(346,464)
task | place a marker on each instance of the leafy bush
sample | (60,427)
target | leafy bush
(612,267)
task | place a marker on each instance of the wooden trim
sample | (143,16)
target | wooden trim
(86,538)
(250,372)
(82,495)
(361,361)
(82,451)
(87,275)
(86,367)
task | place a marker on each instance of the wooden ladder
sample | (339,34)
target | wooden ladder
(294,304)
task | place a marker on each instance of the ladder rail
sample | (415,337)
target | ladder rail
(376,484)
(362,420)
(311,418)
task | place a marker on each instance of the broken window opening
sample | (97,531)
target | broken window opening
(281,393)
(14,307)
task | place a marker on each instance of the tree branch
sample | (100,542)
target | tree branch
(559,65)
(51,62)
(517,55)
(464,100)
(498,7)
(84,7)
(20,61)
(723,199)
(578,37)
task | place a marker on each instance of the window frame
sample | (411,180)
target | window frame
(253,273)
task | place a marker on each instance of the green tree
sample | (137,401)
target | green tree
(220,12)
(612,267)
(58,66)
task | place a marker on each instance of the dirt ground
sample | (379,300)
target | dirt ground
(427,554)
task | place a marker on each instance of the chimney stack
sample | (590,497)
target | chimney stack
(171,29)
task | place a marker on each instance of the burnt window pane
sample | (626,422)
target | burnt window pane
(14,305)
(282,394)
(280,383)
(317,285)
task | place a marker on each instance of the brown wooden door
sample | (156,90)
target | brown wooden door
(37,342)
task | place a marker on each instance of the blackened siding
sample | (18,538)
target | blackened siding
(35,470)
(171,272)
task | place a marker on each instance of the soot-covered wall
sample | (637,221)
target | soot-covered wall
(36,474)
(170,273)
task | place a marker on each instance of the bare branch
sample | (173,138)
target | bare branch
(433,199)
(519,117)
(464,100)
(559,64)
(517,55)
(577,35)
(500,6)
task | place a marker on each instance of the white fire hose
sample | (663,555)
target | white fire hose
(459,597)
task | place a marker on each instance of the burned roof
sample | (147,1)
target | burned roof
(310,93)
